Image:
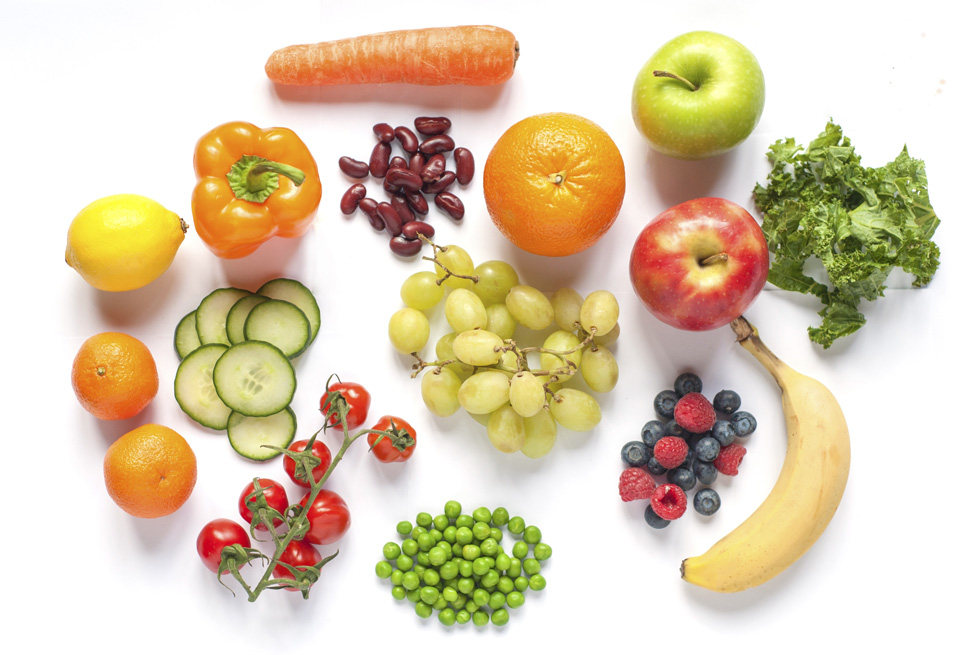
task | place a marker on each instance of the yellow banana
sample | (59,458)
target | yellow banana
(805,496)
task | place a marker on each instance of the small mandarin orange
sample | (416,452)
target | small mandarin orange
(114,376)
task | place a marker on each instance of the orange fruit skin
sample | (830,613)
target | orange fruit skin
(114,376)
(554,183)
(150,471)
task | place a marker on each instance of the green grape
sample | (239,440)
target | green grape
(566,308)
(439,388)
(477,347)
(409,330)
(561,341)
(575,410)
(599,369)
(527,396)
(496,278)
(421,291)
(509,362)
(458,262)
(444,350)
(530,307)
(606,339)
(540,433)
(599,312)
(500,321)
(505,430)
(483,392)
(465,311)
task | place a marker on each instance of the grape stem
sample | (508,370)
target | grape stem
(447,272)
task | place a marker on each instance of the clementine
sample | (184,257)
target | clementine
(554,183)
(114,376)
(150,471)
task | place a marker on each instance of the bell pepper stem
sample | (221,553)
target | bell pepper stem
(254,178)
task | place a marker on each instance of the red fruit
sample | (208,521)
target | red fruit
(669,502)
(670,452)
(728,461)
(636,484)
(695,413)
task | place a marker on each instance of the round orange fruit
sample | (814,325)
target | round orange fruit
(114,376)
(150,471)
(554,183)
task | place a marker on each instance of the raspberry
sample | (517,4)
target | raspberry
(728,461)
(670,452)
(695,413)
(635,484)
(669,502)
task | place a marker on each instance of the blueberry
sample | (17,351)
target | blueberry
(707,449)
(653,519)
(706,501)
(672,429)
(665,402)
(726,401)
(683,478)
(706,472)
(652,432)
(688,460)
(654,467)
(743,423)
(635,453)
(724,432)
(687,383)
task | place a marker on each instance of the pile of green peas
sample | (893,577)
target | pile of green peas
(455,564)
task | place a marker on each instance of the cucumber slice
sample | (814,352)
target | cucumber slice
(194,389)
(254,378)
(212,314)
(281,323)
(238,315)
(249,434)
(292,291)
(185,337)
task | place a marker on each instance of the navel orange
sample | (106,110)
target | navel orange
(114,376)
(554,183)
(150,471)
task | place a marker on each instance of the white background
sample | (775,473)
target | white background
(109,97)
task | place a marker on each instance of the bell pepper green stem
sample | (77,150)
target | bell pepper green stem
(254,178)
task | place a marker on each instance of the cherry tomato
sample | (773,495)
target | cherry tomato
(273,494)
(357,398)
(217,535)
(319,450)
(299,555)
(328,516)
(393,450)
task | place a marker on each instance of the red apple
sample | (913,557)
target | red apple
(700,264)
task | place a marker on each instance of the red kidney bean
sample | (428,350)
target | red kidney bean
(383,132)
(411,229)
(390,217)
(450,204)
(441,183)
(354,167)
(463,159)
(435,144)
(405,247)
(417,202)
(369,207)
(434,168)
(407,138)
(416,163)
(399,202)
(352,197)
(380,159)
(398,162)
(431,124)
(404,179)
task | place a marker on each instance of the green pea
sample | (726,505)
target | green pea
(405,563)
(496,534)
(436,535)
(531,534)
(396,577)
(446,548)
(459,603)
(466,569)
(480,618)
(514,599)
(429,595)
(450,594)
(537,582)
(447,616)
(440,604)
(463,616)
(413,595)
(516,567)
(505,585)
(480,566)
(391,550)
(416,532)
(399,592)
(471,606)
(419,569)
(521,584)
(481,597)
(464,521)
(384,570)
(465,585)
(404,528)
(450,534)
(452,509)
(531,566)
(410,580)
(437,556)
(500,516)
(431,577)
(490,579)
(449,570)
(482,515)
(497,600)
(426,541)
(481,530)
(422,558)
(423,610)
(489,547)
(424,520)
(457,550)
(440,522)
(471,552)
(409,547)
(464,536)
(516,525)
(542,551)
(520,549)
(503,562)
(500,617)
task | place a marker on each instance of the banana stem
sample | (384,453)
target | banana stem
(749,338)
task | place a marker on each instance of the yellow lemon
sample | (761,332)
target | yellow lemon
(123,242)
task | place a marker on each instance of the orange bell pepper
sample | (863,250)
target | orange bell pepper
(252,185)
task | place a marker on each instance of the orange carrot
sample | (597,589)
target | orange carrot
(467,54)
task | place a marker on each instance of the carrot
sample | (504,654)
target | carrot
(467,54)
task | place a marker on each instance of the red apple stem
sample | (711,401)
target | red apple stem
(673,76)
(718,258)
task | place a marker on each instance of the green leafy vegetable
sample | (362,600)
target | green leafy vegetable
(859,222)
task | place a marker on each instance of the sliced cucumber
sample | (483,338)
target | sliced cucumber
(238,315)
(249,434)
(281,323)
(212,314)
(194,389)
(254,378)
(185,337)
(292,291)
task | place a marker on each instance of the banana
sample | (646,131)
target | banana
(805,496)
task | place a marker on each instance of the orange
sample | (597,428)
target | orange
(150,471)
(114,376)
(554,183)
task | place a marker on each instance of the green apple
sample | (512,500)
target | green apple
(699,95)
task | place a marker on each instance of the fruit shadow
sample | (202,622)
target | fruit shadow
(678,180)
(267,262)
(436,97)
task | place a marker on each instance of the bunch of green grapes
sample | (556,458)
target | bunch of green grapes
(521,394)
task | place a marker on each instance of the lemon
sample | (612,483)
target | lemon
(123,242)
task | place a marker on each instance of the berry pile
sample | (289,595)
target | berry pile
(692,441)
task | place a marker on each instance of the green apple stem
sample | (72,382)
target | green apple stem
(691,85)
(718,258)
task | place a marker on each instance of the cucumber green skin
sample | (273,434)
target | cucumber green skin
(297,293)
(185,337)
(260,326)
(237,316)
(214,415)
(229,368)
(239,424)
(212,314)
